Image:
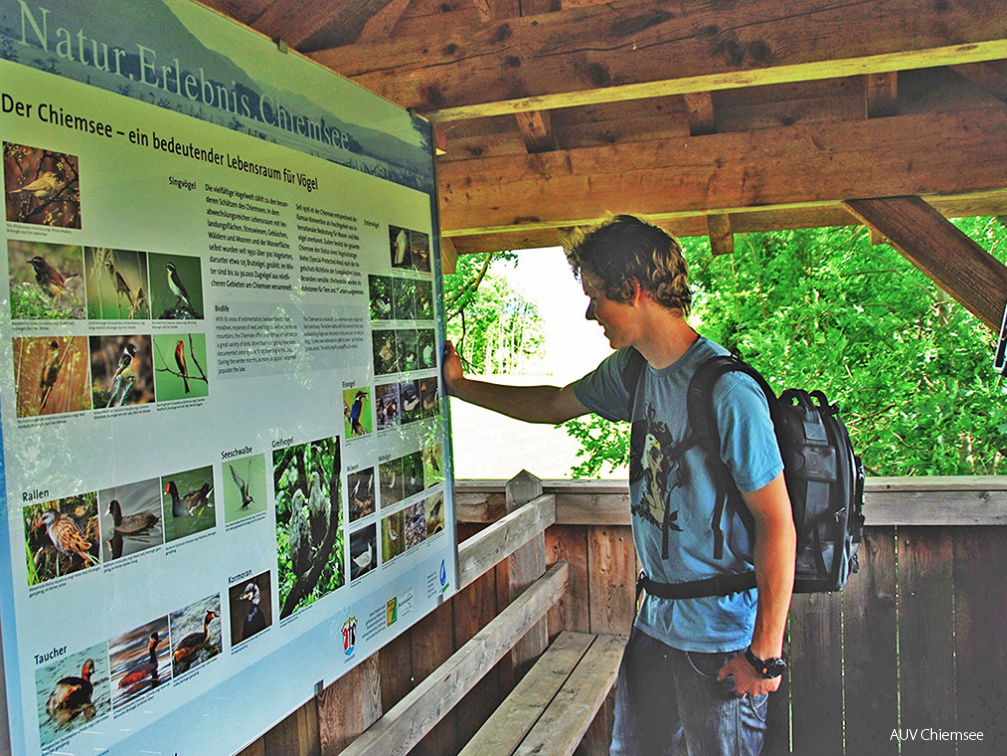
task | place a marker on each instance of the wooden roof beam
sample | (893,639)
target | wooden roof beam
(882,94)
(986,76)
(631,50)
(536,130)
(944,253)
(777,168)
(721,235)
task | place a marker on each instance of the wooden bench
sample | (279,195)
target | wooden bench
(550,710)
(552,706)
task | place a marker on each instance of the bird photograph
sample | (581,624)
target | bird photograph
(244,482)
(196,635)
(180,366)
(139,661)
(251,607)
(410,409)
(46,281)
(426,345)
(416,524)
(61,537)
(72,692)
(399,243)
(176,287)
(188,503)
(51,375)
(435,513)
(360,487)
(424,300)
(121,371)
(363,557)
(406,350)
(357,411)
(393,540)
(115,281)
(41,187)
(390,482)
(130,519)
(380,297)
(429,398)
(419,250)
(309,535)
(386,406)
(383,344)
(433,465)
(404,298)
(412,474)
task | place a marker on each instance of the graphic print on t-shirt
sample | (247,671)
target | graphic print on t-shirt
(654,461)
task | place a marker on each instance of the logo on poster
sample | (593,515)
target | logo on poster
(443,576)
(349,636)
(392,611)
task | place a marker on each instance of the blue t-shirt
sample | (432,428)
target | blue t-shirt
(684,492)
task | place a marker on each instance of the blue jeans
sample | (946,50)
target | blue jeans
(665,693)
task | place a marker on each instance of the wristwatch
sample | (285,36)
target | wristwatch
(768,668)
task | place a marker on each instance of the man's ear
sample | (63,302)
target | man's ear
(638,292)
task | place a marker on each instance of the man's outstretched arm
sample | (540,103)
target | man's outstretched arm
(533,404)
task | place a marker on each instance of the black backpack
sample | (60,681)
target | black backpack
(825,481)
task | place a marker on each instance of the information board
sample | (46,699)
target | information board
(225,450)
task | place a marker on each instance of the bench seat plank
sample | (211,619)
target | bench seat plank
(561,728)
(515,717)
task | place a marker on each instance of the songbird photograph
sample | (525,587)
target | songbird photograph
(404,293)
(188,503)
(398,239)
(435,513)
(383,347)
(244,483)
(424,300)
(176,287)
(51,375)
(131,518)
(250,604)
(416,524)
(140,661)
(72,692)
(41,187)
(433,466)
(391,483)
(360,492)
(116,284)
(419,250)
(62,537)
(196,634)
(310,538)
(121,371)
(180,366)
(429,398)
(46,281)
(410,402)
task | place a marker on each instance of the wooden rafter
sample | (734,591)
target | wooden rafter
(944,253)
(630,50)
(817,164)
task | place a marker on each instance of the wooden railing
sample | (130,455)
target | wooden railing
(916,643)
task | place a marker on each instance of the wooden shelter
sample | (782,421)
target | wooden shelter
(709,117)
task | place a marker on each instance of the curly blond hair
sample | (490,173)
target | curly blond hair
(624,249)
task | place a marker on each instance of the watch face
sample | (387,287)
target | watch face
(775,667)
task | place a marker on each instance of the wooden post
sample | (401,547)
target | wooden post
(350,705)
(527,565)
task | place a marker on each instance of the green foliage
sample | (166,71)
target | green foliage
(494,329)
(909,368)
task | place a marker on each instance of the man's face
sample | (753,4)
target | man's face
(616,318)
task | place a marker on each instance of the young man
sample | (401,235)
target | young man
(699,667)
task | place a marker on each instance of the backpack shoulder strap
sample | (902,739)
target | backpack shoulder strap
(630,376)
(703,425)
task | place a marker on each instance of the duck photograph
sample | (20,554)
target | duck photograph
(131,519)
(309,537)
(196,635)
(61,537)
(72,692)
(188,503)
(140,661)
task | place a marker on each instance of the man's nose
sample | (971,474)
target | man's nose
(589,315)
